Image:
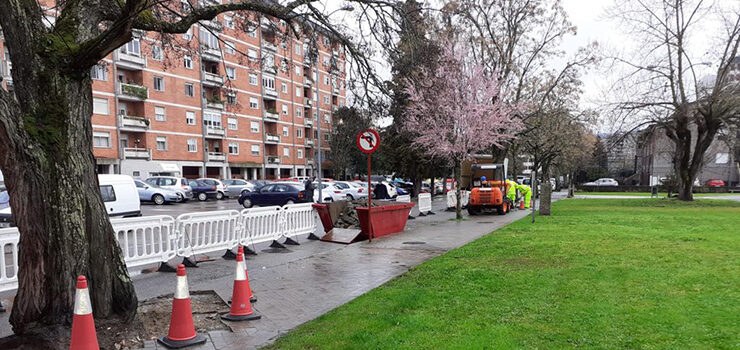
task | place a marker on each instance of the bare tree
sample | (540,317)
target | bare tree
(46,137)
(661,85)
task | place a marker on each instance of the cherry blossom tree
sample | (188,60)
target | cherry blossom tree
(467,107)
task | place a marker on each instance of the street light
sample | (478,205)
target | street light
(349,8)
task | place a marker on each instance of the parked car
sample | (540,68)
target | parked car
(602,182)
(220,187)
(156,194)
(351,190)
(202,190)
(279,193)
(330,191)
(177,184)
(715,183)
(235,187)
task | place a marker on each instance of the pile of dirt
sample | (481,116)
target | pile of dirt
(347,218)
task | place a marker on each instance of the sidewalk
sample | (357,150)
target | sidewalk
(307,281)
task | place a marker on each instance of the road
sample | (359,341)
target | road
(175,209)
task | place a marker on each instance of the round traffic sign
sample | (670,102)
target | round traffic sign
(368,141)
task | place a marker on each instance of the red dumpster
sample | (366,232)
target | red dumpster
(386,219)
(323,211)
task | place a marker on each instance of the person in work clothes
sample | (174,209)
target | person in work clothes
(308,190)
(511,187)
(527,194)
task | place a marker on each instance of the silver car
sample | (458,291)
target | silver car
(235,187)
(158,195)
(177,184)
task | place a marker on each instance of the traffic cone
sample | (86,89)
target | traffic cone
(83,325)
(521,204)
(182,330)
(241,307)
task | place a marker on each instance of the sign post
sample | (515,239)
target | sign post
(368,141)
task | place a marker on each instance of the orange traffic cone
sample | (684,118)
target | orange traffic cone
(241,307)
(83,325)
(521,204)
(182,330)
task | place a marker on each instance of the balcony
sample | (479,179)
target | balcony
(216,157)
(213,24)
(309,143)
(213,80)
(215,103)
(130,61)
(209,53)
(266,45)
(266,23)
(132,92)
(271,115)
(335,90)
(307,101)
(273,160)
(308,122)
(272,138)
(137,153)
(215,131)
(269,94)
(133,123)
(310,162)
(334,109)
(307,81)
(266,69)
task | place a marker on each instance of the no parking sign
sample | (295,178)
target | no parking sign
(368,141)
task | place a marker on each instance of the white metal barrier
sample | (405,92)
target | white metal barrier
(261,225)
(146,240)
(406,198)
(203,232)
(299,219)
(9,260)
(452,198)
(425,203)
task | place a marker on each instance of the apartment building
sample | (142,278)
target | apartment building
(217,101)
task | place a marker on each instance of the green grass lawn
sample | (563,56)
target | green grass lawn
(647,194)
(600,273)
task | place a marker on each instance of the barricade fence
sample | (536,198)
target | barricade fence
(157,239)
(452,198)
(425,203)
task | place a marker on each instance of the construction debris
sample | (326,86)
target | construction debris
(347,217)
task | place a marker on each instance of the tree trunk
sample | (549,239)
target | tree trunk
(571,188)
(50,173)
(458,204)
(546,196)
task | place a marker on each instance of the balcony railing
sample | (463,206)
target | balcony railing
(212,79)
(273,160)
(215,104)
(213,24)
(131,61)
(209,53)
(133,122)
(217,131)
(270,93)
(307,80)
(309,143)
(307,101)
(308,122)
(266,45)
(216,157)
(272,138)
(269,69)
(271,115)
(137,153)
(133,92)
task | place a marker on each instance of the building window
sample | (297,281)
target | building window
(252,79)
(326,99)
(299,133)
(255,150)
(268,83)
(189,90)
(297,49)
(325,40)
(101,139)
(252,30)
(722,158)
(192,145)
(208,39)
(99,72)
(229,22)
(253,103)
(254,126)
(285,109)
(161,143)
(284,87)
(190,117)
(298,70)
(326,137)
(132,47)
(232,123)
(286,131)
(326,80)
(189,34)
(231,98)
(299,153)
(299,113)
(186,8)
(286,152)
(229,47)
(327,119)
(100,106)
(298,92)
(252,54)
(233,148)
(231,72)
(158,83)
(187,61)
(212,119)
(156,52)
(159,114)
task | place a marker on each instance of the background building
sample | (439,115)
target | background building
(223,100)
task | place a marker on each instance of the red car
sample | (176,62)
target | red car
(715,183)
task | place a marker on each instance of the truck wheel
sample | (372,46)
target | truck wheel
(501,209)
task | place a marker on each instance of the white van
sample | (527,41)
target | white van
(119,195)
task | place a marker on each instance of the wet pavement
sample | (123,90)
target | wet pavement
(302,282)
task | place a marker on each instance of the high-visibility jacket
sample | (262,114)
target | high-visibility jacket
(511,190)
(527,193)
